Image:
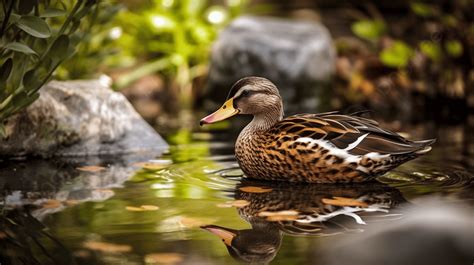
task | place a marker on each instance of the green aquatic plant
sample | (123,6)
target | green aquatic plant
(174,39)
(32,46)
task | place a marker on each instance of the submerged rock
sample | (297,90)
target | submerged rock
(79,118)
(298,56)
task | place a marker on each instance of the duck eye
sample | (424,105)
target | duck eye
(245,93)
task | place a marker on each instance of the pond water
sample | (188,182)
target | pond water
(183,207)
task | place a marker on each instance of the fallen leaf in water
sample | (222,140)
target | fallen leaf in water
(288,215)
(163,258)
(51,204)
(286,212)
(149,207)
(107,247)
(276,218)
(148,165)
(134,209)
(240,203)
(91,168)
(224,205)
(81,253)
(71,202)
(191,222)
(342,201)
(236,203)
(253,189)
(142,208)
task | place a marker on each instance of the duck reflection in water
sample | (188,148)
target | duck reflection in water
(275,209)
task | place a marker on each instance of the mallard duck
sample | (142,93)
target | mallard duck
(316,148)
(302,209)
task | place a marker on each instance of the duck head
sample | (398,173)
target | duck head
(253,95)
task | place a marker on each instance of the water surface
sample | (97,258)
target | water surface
(183,207)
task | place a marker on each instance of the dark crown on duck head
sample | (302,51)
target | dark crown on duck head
(262,83)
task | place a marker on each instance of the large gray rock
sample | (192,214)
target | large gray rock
(77,118)
(298,56)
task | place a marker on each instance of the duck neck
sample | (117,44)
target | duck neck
(263,121)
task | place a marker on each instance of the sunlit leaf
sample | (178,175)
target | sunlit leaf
(369,29)
(342,201)
(19,47)
(34,26)
(397,55)
(107,247)
(422,9)
(454,48)
(91,168)
(431,49)
(163,258)
(253,189)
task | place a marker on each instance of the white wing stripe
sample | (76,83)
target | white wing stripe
(355,143)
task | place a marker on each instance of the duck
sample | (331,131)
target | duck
(328,147)
(302,209)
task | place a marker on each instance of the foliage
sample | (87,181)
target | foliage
(425,56)
(370,29)
(174,38)
(99,35)
(396,55)
(32,48)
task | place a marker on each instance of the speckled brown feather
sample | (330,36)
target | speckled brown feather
(308,148)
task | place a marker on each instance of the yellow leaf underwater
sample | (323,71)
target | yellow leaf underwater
(51,204)
(142,208)
(107,247)
(342,201)
(253,189)
(287,215)
(163,258)
(236,203)
(91,168)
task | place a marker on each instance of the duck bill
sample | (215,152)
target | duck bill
(227,235)
(226,111)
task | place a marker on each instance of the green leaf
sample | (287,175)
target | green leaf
(5,71)
(431,49)
(397,55)
(19,47)
(422,9)
(53,12)
(59,50)
(34,26)
(454,48)
(369,29)
(31,81)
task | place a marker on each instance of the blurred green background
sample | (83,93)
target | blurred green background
(157,52)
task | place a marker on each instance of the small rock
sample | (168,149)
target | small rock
(298,56)
(79,118)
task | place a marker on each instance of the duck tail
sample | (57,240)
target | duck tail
(425,146)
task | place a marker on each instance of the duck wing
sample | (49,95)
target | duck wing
(352,133)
